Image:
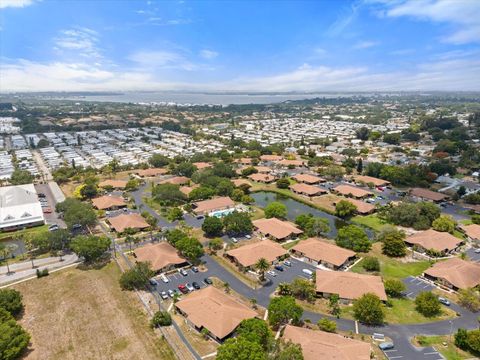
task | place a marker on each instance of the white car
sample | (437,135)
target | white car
(234,240)
(189,287)
(171,293)
(272,273)
(164,295)
(164,278)
(248,237)
(477,251)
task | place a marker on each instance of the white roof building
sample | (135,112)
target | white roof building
(19,207)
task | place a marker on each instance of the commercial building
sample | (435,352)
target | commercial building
(19,207)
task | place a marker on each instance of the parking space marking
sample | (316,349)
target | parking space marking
(395,357)
(426,286)
(431,353)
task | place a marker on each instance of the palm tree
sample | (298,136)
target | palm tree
(7,251)
(284,289)
(226,286)
(129,240)
(262,265)
(30,246)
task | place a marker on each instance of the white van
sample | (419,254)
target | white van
(164,278)
(308,272)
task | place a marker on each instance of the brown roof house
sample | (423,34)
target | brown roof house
(263,169)
(202,165)
(308,179)
(455,273)
(116,184)
(108,202)
(472,232)
(125,221)
(176,180)
(424,194)
(276,229)
(321,252)
(317,344)
(440,242)
(272,158)
(349,286)
(290,163)
(363,208)
(351,191)
(247,256)
(211,309)
(240,182)
(207,206)
(307,190)
(162,256)
(363,179)
(265,178)
(150,172)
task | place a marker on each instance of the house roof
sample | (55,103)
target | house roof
(151,172)
(270,158)
(308,179)
(206,206)
(117,184)
(238,182)
(19,205)
(188,189)
(125,221)
(349,285)
(263,169)
(307,189)
(321,250)
(362,206)
(202,165)
(472,231)
(460,273)
(106,202)
(318,344)
(261,177)
(286,162)
(212,309)
(348,190)
(248,255)
(435,240)
(159,255)
(176,180)
(279,229)
(427,194)
(370,179)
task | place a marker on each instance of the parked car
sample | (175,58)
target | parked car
(248,237)
(200,217)
(164,295)
(195,269)
(287,263)
(164,278)
(279,267)
(370,201)
(196,285)
(47,210)
(183,272)
(189,287)
(444,301)
(271,273)
(53,227)
(41,195)
(171,293)
(386,346)
(183,289)
(234,240)
(153,282)
(477,251)
(308,272)
(44,205)
(76,226)
(208,281)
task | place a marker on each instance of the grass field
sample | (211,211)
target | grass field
(77,314)
(371,221)
(33,230)
(449,351)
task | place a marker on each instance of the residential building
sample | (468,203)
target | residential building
(440,242)
(276,229)
(351,191)
(308,179)
(427,195)
(162,256)
(455,273)
(206,207)
(107,202)
(246,256)
(128,221)
(307,190)
(322,252)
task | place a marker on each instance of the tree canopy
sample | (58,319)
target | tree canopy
(275,209)
(282,309)
(90,247)
(354,238)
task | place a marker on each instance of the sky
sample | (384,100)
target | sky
(274,46)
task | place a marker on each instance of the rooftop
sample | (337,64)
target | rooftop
(279,229)
(321,250)
(248,255)
(160,255)
(460,273)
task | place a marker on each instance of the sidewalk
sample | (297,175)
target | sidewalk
(24,269)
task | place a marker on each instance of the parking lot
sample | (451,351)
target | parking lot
(415,286)
(472,255)
(428,353)
(50,218)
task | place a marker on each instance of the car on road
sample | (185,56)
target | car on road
(44,205)
(370,201)
(271,273)
(171,293)
(195,269)
(153,282)
(208,281)
(444,301)
(287,263)
(183,289)
(477,251)
(386,346)
(164,278)
(47,210)
(53,227)
(196,285)
(164,295)
(183,272)
(189,287)
(279,267)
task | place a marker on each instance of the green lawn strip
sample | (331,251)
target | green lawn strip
(449,352)
(290,244)
(466,222)
(370,221)
(458,234)
(33,230)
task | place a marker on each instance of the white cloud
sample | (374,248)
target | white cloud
(365,44)
(82,41)
(208,54)
(162,60)
(344,20)
(463,15)
(15,3)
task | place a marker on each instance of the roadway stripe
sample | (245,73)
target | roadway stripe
(426,286)
(389,351)
(431,353)
(394,357)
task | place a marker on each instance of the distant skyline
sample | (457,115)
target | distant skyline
(274,46)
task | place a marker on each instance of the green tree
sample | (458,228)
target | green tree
(283,183)
(161,318)
(76,212)
(368,309)
(333,304)
(215,244)
(427,304)
(190,248)
(371,263)
(394,287)
(224,188)
(237,223)
(262,265)
(345,208)
(275,209)
(354,238)
(289,351)
(13,338)
(11,301)
(185,169)
(201,193)
(303,289)
(393,241)
(137,277)
(168,194)
(174,214)
(473,341)
(256,330)
(240,348)
(461,339)
(158,160)
(469,298)
(20,177)
(327,325)
(90,247)
(444,223)
(212,226)
(283,309)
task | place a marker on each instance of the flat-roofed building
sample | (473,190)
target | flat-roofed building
(161,256)
(307,190)
(440,242)
(212,309)
(19,207)
(347,285)
(276,229)
(351,191)
(425,194)
(128,221)
(317,344)
(246,256)
(308,179)
(107,202)
(207,206)
(455,273)
(322,252)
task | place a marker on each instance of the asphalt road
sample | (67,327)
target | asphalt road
(473,255)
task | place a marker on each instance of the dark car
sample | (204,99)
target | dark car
(153,282)
(41,195)
(183,289)
(195,285)
(195,269)
(76,226)
(279,267)
(208,281)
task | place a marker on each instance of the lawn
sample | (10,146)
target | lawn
(79,314)
(370,221)
(403,312)
(32,230)
(291,244)
(449,351)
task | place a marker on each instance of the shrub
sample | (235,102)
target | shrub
(427,304)
(327,325)
(161,318)
(11,301)
(394,288)
(371,263)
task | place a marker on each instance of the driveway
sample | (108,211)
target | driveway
(472,255)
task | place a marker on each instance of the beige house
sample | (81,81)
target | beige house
(440,242)
(472,232)
(455,273)
(308,179)
(247,256)
(128,221)
(321,252)
(161,256)
(276,229)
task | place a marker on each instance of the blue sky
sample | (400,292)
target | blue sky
(323,45)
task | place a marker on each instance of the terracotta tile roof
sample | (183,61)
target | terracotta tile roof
(435,240)
(124,221)
(202,165)
(263,169)
(306,189)
(308,179)
(262,177)
(349,285)
(460,273)
(348,190)
(472,231)
(151,172)
(362,206)
(244,161)
(116,184)
(270,158)
(318,345)
(212,309)
(107,202)
(176,180)
(279,229)
(427,194)
(205,206)
(322,250)
(286,162)
(369,179)
(188,189)
(238,182)
(248,255)
(159,255)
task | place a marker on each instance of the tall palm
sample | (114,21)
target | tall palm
(7,251)
(262,265)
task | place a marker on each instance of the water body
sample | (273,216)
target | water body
(295,208)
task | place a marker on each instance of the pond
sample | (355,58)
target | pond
(19,246)
(295,208)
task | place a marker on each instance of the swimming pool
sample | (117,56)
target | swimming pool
(222,213)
